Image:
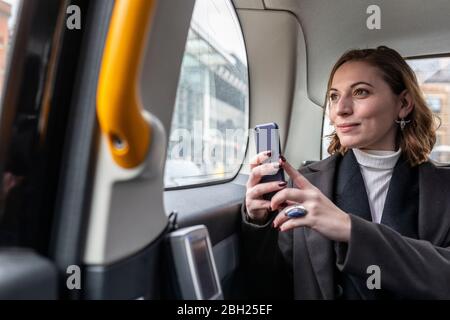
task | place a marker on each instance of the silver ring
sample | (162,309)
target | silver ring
(296,211)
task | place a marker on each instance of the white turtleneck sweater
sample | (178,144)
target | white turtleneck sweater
(376,169)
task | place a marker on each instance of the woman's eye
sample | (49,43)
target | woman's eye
(333,96)
(361,92)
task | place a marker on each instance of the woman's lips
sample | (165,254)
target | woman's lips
(347,128)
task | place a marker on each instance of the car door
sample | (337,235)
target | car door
(123,122)
(39,58)
(189,87)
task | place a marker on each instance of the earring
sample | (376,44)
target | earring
(402,123)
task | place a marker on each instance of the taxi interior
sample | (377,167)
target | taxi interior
(104,128)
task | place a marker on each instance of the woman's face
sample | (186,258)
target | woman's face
(363,108)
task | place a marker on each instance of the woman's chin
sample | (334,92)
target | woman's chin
(351,144)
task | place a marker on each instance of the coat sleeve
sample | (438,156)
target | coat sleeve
(409,267)
(266,257)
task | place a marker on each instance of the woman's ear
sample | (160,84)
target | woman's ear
(407,104)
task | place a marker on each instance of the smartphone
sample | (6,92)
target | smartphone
(268,138)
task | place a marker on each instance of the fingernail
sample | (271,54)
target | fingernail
(282,158)
(282,184)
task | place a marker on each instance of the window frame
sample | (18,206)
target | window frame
(432,56)
(238,168)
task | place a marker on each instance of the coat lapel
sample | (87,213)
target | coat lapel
(320,249)
(433,204)
(350,187)
(350,194)
(401,205)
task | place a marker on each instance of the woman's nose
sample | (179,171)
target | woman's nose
(344,105)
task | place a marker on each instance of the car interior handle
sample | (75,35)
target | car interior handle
(119,105)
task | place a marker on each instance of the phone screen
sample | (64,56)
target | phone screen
(268,138)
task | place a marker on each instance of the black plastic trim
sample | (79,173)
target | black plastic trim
(81,140)
(136,277)
(219,211)
(75,184)
(26,275)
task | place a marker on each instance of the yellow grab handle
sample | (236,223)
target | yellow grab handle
(119,106)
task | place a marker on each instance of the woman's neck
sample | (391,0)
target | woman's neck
(381,159)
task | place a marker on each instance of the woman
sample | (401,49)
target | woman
(378,210)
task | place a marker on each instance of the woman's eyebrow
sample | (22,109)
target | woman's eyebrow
(361,82)
(354,85)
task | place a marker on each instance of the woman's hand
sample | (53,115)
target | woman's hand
(322,214)
(257,208)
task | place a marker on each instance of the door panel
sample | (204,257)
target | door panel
(50,137)
(218,207)
(137,277)
(36,106)
(126,226)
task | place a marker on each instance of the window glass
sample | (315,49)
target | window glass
(433,75)
(209,125)
(8,12)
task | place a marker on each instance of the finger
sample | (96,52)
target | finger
(282,206)
(280,218)
(299,180)
(263,170)
(261,189)
(292,194)
(260,158)
(294,223)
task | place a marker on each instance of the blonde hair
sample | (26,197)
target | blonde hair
(419,136)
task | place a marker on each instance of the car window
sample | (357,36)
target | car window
(209,125)
(433,75)
(8,12)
